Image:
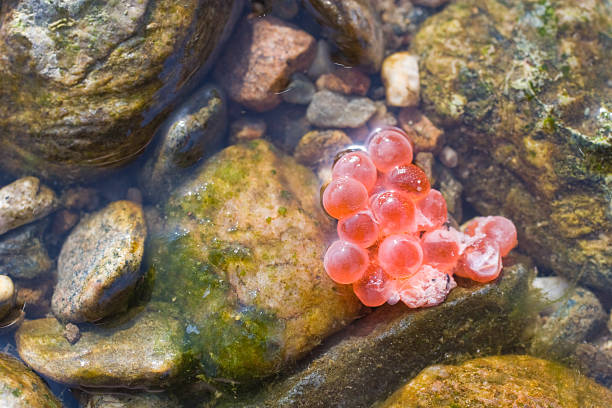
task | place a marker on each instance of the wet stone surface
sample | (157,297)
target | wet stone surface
(260,59)
(21,388)
(99,264)
(353,26)
(83,83)
(23,254)
(529,106)
(240,254)
(380,352)
(193,132)
(145,352)
(24,201)
(131,401)
(501,381)
(330,109)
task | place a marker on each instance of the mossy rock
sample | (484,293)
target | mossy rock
(21,388)
(240,254)
(499,382)
(377,354)
(84,83)
(144,352)
(522,87)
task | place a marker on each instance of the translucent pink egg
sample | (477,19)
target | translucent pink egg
(481,261)
(359,228)
(357,165)
(409,179)
(394,211)
(344,196)
(345,262)
(430,211)
(428,287)
(400,255)
(497,228)
(389,147)
(373,288)
(441,248)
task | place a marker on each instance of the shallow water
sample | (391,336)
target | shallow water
(122,183)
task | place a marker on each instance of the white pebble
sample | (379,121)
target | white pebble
(448,157)
(400,75)
(7,295)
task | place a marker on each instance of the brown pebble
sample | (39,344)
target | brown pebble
(72,333)
(35,295)
(259,59)
(80,198)
(319,147)
(245,129)
(427,138)
(425,161)
(134,195)
(349,81)
(63,221)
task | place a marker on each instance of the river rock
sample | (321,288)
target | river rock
(348,81)
(23,201)
(400,75)
(144,352)
(240,255)
(194,131)
(299,91)
(319,147)
(579,317)
(21,388)
(141,400)
(83,85)
(259,60)
(379,353)
(7,295)
(329,109)
(99,263)
(501,381)
(528,110)
(354,27)
(23,254)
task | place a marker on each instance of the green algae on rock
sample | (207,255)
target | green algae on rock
(241,255)
(82,84)
(378,353)
(523,87)
(501,381)
(21,388)
(146,352)
(99,264)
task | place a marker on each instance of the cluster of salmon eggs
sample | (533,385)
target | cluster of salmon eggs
(394,240)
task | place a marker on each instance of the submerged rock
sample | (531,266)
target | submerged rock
(7,295)
(99,264)
(194,131)
(260,58)
(379,353)
(329,109)
(142,400)
(354,27)
(83,84)
(144,352)
(524,89)
(579,317)
(241,255)
(21,388)
(24,201)
(501,381)
(23,254)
